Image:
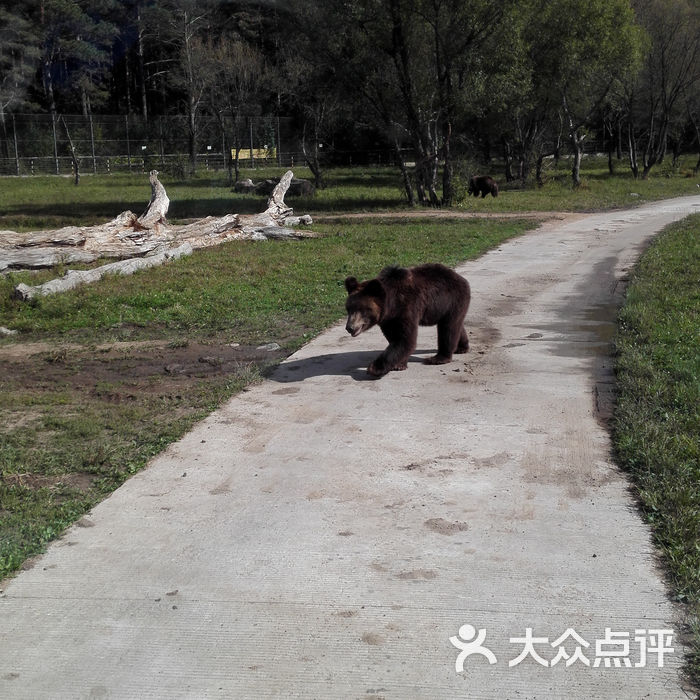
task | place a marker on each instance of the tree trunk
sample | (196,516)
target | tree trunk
(676,152)
(523,170)
(141,65)
(426,166)
(447,172)
(656,146)
(632,151)
(228,158)
(608,131)
(577,147)
(5,152)
(696,125)
(192,132)
(74,158)
(84,101)
(127,83)
(405,177)
(538,170)
(557,147)
(237,163)
(417,126)
(236,146)
(426,172)
(508,160)
(311,156)
(576,140)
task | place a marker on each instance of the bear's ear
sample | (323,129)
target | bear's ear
(351,284)
(374,288)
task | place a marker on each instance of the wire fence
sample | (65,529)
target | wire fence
(38,144)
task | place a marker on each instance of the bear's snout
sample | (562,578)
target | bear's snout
(355,324)
(353,330)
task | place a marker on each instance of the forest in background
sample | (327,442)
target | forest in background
(436,83)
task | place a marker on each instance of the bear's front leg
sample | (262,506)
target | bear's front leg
(402,338)
(379,367)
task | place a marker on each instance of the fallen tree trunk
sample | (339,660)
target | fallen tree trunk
(147,237)
(73,278)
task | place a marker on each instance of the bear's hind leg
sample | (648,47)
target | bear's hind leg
(463,344)
(447,342)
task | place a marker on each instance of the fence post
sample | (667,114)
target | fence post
(162,147)
(14,133)
(128,145)
(252,159)
(223,143)
(92,145)
(279,143)
(55,145)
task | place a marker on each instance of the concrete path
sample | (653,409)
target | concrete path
(324,535)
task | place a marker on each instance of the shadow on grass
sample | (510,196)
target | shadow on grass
(91,213)
(372,179)
(82,213)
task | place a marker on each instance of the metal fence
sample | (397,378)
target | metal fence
(38,144)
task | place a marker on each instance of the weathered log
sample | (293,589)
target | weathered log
(67,236)
(147,237)
(115,239)
(73,278)
(158,206)
(24,258)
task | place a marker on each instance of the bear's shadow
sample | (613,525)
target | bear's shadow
(350,364)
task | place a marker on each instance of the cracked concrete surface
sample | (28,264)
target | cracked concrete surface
(324,535)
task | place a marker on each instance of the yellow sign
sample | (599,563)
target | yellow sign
(259,153)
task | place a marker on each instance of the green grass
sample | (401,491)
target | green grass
(47,202)
(598,190)
(244,290)
(36,203)
(75,423)
(657,421)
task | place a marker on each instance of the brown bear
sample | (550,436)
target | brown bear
(482,184)
(399,300)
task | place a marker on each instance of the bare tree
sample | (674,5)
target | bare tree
(19,57)
(236,73)
(188,20)
(656,101)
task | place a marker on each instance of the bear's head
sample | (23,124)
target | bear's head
(364,304)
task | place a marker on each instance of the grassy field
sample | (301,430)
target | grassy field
(50,202)
(657,424)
